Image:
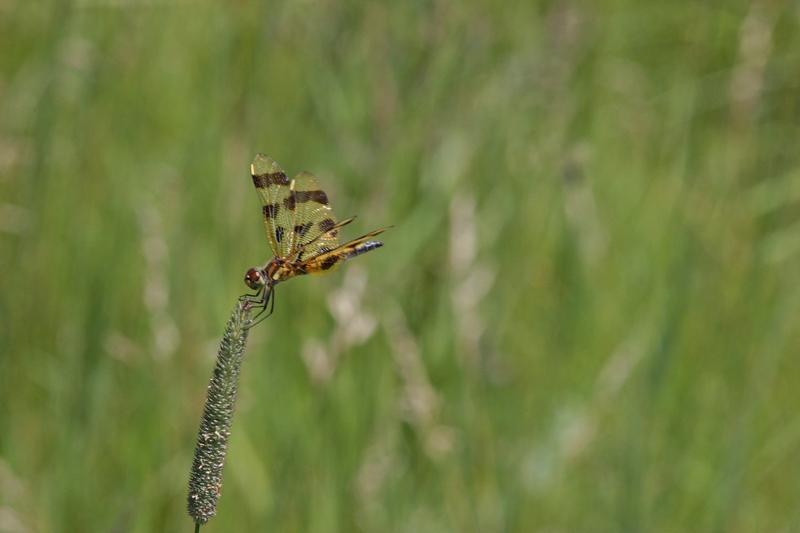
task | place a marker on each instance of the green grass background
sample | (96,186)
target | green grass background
(586,316)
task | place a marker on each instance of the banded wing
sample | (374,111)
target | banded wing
(329,259)
(272,186)
(314,226)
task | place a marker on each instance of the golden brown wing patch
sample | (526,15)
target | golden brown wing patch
(273,189)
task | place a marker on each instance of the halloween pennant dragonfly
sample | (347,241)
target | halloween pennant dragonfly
(301,230)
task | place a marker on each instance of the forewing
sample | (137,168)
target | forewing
(314,229)
(273,189)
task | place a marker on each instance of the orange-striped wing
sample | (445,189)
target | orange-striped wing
(314,226)
(299,221)
(274,190)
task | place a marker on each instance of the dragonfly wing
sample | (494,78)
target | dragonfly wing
(314,229)
(273,187)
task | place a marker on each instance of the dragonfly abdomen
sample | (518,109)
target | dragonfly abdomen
(364,248)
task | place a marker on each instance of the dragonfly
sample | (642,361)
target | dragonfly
(301,230)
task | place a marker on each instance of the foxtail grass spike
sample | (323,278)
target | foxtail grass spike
(205,479)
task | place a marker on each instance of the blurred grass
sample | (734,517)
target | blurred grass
(585,319)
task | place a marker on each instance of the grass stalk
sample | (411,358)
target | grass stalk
(205,479)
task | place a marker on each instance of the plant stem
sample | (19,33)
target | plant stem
(205,478)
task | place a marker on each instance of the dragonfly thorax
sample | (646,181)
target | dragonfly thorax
(276,270)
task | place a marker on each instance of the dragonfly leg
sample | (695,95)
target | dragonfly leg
(252,300)
(256,320)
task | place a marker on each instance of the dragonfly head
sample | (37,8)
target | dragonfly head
(254,278)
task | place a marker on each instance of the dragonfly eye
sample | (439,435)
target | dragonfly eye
(254,279)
